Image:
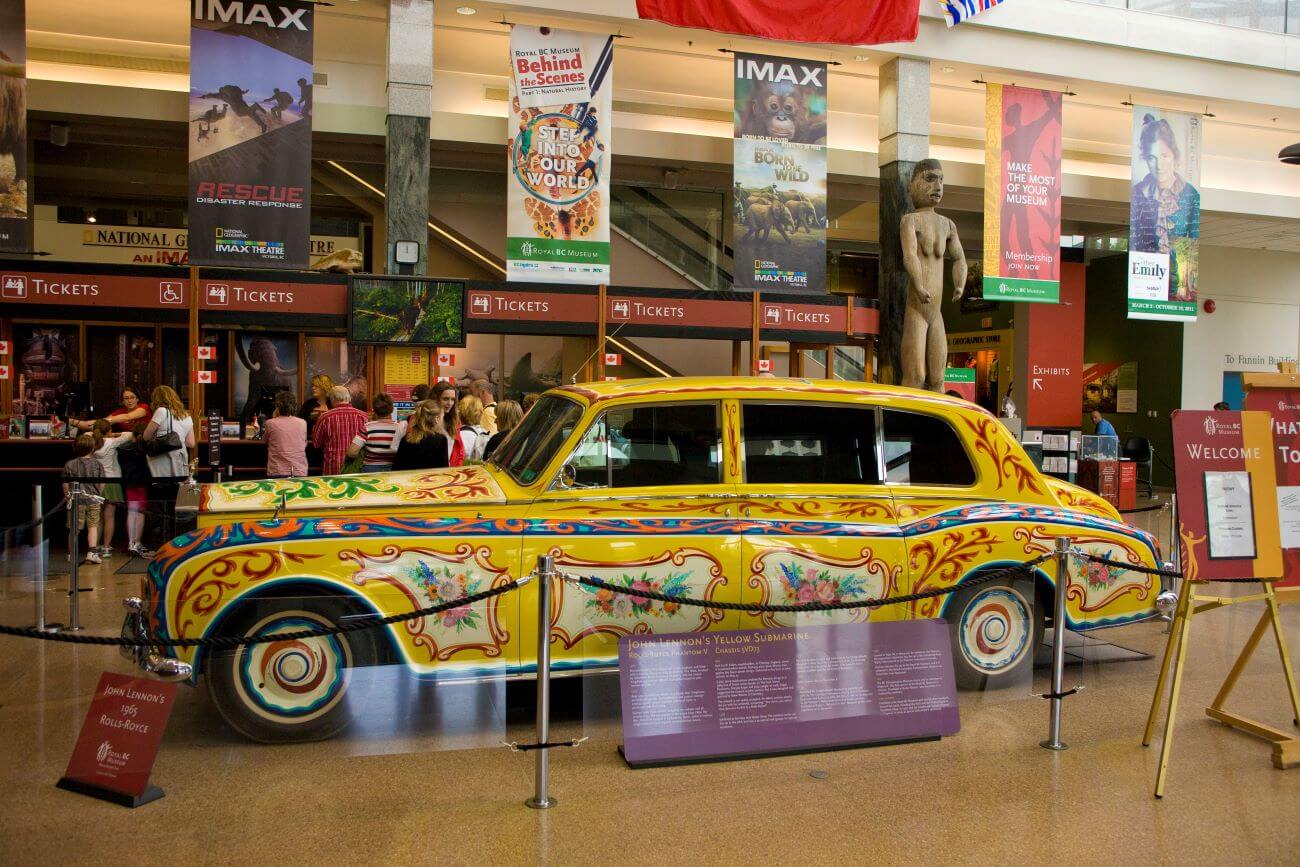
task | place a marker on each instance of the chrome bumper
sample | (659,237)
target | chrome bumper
(148,659)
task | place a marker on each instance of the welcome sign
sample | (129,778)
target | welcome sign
(1022,194)
(557,225)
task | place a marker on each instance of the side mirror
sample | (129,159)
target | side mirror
(568,477)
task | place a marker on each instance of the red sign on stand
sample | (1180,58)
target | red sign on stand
(1053,378)
(119,740)
(1283,404)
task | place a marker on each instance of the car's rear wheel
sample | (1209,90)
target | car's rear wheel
(996,629)
(291,690)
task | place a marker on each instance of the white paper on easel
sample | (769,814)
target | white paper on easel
(1230,515)
(1288,514)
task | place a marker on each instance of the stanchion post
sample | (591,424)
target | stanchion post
(541,800)
(38,547)
(1053,741)
(74,588)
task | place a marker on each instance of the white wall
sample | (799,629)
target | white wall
(1256,323)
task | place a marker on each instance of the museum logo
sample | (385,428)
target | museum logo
(1214,427)
(106,755)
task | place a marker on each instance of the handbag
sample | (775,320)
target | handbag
(161,445)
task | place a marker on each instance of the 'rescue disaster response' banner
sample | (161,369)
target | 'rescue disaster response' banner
(557,227)
(250,133)
(779,163)
(1164,215)
(14,184)
(1022,194)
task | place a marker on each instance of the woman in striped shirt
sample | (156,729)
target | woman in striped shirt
(377,440)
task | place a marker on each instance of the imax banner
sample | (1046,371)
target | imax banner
(1164,215)
(779,166)
(1022,194)
(250,133)
(557,226)
(14,183)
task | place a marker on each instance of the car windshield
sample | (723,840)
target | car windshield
(529,448)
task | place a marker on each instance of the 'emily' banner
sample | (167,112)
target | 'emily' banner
(1164,215)
(557,228)
(780,174)
(250,133)
(14,208)
(1022,194)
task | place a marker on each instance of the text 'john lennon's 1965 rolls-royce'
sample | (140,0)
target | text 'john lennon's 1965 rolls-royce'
(751,490)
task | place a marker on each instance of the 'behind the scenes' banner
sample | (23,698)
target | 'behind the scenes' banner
(250,133)
(14,189)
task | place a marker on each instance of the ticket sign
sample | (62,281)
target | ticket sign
(119,740)
(1283,404)
(716,695)
(1227,495)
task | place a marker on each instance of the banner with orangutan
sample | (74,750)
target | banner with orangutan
(779,166)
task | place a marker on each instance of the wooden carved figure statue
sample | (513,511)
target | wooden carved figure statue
(927,238)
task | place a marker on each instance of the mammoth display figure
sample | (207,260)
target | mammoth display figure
(262,360)
(927,238)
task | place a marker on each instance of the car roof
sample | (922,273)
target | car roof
(758,386)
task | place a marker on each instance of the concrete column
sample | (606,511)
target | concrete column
(904,141)
(406,145)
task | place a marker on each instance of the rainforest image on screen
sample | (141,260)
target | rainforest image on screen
(413,311)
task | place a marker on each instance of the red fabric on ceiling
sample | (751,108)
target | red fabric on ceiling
(844,22)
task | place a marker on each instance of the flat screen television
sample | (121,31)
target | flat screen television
(413,311)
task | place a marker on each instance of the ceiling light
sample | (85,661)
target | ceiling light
(948,70)
(466,10)
(862,58)
(90,218)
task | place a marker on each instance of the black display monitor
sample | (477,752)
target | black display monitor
(414,311)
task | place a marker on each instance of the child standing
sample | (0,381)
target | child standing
(84,465)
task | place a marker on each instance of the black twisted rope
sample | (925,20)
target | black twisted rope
(982,578)
(35,522)
(1131,567)
(233,641)
(1157,507)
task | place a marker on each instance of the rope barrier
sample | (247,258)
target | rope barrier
(1156,508)
(516,747)
(1131,567)
(233,641)
(983,578)
(35,522)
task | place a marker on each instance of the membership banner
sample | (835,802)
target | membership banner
(779,163)
(14,183)
(1022,194)
(250,133)
(557,227)
(1164,215)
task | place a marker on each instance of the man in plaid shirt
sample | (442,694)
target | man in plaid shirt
(335,430)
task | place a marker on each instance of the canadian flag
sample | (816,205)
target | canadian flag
(613,359)
(765,365)
(4,347)
(446,359)
(841,22)
(205,377)
(4,371)
(205,353)
(450,379)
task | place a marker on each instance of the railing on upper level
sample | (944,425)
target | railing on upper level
(1274,16)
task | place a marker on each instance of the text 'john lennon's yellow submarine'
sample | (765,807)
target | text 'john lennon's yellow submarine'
(751,490)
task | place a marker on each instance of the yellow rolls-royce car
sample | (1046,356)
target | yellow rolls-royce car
(750,490)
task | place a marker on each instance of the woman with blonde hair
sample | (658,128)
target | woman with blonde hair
(424,444)
(473,436)
(318,404)
(509,415)
(169,417)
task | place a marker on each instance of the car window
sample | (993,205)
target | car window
(637,446)
(924,450)
(827,445)
(528,450)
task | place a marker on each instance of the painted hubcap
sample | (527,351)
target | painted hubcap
(294,680)
(995,629)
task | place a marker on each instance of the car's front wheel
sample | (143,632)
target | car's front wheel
(996,629)
(290,690)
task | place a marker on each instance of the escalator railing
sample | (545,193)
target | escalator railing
(681,228)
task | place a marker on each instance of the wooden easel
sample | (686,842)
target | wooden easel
(1286,747)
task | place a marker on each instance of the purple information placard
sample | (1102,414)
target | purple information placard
(715,695)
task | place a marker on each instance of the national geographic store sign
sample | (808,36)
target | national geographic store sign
(137,245)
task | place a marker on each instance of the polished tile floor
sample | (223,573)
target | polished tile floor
(422,779)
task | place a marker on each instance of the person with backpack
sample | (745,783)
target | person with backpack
(84,466)
(473,436)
